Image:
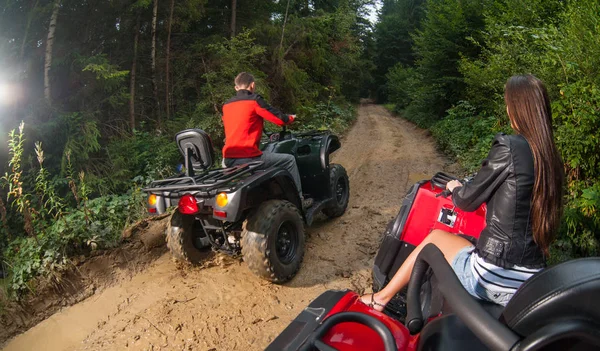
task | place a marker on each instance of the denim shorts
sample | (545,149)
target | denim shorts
(462,267)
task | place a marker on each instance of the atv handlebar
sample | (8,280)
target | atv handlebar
(489,330)
(440,179)
(444,193)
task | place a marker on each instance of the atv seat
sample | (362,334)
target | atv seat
(556,309)
(197,149)
(559,303)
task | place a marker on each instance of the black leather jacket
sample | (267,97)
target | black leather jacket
(505,183)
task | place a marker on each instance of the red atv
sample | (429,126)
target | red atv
(556,309)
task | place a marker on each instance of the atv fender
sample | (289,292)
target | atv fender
(279,185)
(329,145)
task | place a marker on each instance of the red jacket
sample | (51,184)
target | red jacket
(243,120)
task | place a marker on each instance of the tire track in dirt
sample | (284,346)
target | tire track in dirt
(222,306)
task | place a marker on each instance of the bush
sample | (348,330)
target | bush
(55,226)
(400,82)
(146,155)
(465,136)
(325,116)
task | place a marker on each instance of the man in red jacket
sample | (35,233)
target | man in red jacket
(243,118)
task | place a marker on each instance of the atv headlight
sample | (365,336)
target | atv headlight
(152,200)
(222,200)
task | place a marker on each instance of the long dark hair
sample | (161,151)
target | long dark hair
(530,115)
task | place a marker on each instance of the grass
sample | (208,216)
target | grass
(390,107)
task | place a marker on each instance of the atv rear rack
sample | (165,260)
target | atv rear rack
(205,181)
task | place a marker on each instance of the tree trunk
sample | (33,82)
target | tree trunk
(49,45)
(167,87)
(153,64)
(233,15)
(26,35)
(136,38)
(284,22)
(280,53)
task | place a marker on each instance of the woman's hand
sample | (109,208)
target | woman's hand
(453,184)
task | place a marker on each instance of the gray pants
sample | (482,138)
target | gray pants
(270,159)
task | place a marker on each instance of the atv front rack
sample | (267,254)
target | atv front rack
(205,181)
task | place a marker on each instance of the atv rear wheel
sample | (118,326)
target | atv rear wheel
(273,241)
(340,191)
(184,240)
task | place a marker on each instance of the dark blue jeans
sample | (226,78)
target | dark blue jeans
(269,159)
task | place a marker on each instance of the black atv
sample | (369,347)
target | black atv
(247,209)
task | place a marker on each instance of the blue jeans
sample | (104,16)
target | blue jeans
(462,267)
(270,159)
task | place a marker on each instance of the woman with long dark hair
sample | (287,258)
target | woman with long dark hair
(521,181)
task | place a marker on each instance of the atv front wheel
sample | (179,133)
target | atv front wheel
(184,239)
(273,241)
(340,191)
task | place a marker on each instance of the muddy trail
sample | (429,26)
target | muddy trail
(221,305)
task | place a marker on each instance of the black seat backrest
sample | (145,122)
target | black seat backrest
(568,291)
(196,142)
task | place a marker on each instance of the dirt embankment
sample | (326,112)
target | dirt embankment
(221,305)
(86,277)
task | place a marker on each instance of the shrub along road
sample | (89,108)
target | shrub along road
(222,306)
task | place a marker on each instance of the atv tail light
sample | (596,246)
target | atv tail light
(222,200)
(152,200)
(152,210)
(221,214)
(188,204)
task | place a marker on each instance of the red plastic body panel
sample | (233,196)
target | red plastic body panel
(357,337)
(421,222)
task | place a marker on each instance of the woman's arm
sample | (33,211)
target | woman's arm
(494,170)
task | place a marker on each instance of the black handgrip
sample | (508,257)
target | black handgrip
(386,335)
(444,193)
(489,330)
(440,179)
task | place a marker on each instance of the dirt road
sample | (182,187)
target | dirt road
(222,306)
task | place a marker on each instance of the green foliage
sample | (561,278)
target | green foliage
(51,205)
(98,226)
(439,46)
(330,116)
(394,41)
(13,179)
(465,135)
(577,115)
(400,81)
(110,76)
(144,155)
(57,228)
(581,220)
(82,138)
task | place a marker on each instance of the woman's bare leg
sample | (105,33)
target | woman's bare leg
(449,244)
